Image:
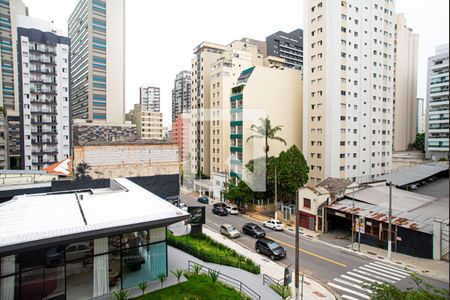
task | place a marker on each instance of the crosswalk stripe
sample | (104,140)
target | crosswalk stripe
(349,297)
(404,272)
(352,285)
(379,274)
(352,279)
(363,277)
(382,272)
(400,273)
(348,290)
(374,275)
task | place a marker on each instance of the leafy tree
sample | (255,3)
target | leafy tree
(82,171)
(239,192)
(419,143)
(292,172)
(424,291)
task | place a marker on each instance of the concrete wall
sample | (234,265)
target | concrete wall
(128,160)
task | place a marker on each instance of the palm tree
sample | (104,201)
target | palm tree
(267,132)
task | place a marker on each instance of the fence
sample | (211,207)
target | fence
(236,284)
(276,282)
(445,240)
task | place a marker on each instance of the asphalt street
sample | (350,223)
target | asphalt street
(340,270)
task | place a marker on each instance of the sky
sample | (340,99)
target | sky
(160,35)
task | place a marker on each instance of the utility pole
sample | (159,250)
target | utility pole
(297,235)
(353,218)
(276,195)
(389,220)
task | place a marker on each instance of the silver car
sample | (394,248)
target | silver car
(229,231)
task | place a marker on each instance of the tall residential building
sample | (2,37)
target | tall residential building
(97,32)
(262,92)
(215,69)
(405,85)
(437,123)
(9,98)
(421,115)
(3,140)
(181,94)
(150,97)
(44,97)
(348,88)
(288,46)
(149,124)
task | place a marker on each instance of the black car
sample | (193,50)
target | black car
(253,230)
(270,248)
(203,200)
(221,211)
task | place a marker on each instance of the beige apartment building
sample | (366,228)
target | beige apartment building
(215,70)
(348,88)
(149,124)
(405,93)
(259,93)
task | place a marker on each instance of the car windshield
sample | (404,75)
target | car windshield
(277,222)
(273,245)
(231,228)
(257,228)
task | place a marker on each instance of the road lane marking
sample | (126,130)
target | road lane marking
(349,297)
(348,290)
(363,277)
(352,285)
(382,272)
(390,269)
(352,279)
(374,275)
(310,253)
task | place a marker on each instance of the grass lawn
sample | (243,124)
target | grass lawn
(197,287)
(206,249)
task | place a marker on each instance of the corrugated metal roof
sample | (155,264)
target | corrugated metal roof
(414,221)
(414,174)
(30,218)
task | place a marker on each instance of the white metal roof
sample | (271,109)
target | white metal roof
(414,174)
(29,218)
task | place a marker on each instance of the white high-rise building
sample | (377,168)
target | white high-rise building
(150,97)
(405,85)
(437,124)
(181,94)
(348,88)
(421,115)
(44,97)
(97,32)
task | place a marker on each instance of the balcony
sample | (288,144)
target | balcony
(43,71)
(235,149)
(43,92)
(50,51)
(44,142)
(44,151)
(44,132)
(50,102)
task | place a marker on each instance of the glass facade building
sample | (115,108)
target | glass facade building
(84,269)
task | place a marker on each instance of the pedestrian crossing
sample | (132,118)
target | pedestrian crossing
(351,284)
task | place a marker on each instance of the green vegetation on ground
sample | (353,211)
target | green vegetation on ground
(208,250)
(198,287)
(283,291)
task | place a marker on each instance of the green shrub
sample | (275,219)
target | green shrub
(120,295)
(208,250)
(143,285)
(283,291)
(443,159)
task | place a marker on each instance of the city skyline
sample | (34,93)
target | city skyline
(144,67)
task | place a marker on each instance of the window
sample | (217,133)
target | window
(306,203)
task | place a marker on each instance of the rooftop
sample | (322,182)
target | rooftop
(334,185)
(33,220)
(414,174)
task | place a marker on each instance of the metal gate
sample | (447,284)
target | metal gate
(444,239)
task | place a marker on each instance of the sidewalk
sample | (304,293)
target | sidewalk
(311,288)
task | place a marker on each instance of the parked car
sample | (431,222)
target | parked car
(253,230)
(273,224)
(78,251)
(229,231)
(221,211)
(220,204)
(270,248)
(232,210)
(203,200)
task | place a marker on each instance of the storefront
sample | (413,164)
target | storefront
(89,263)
